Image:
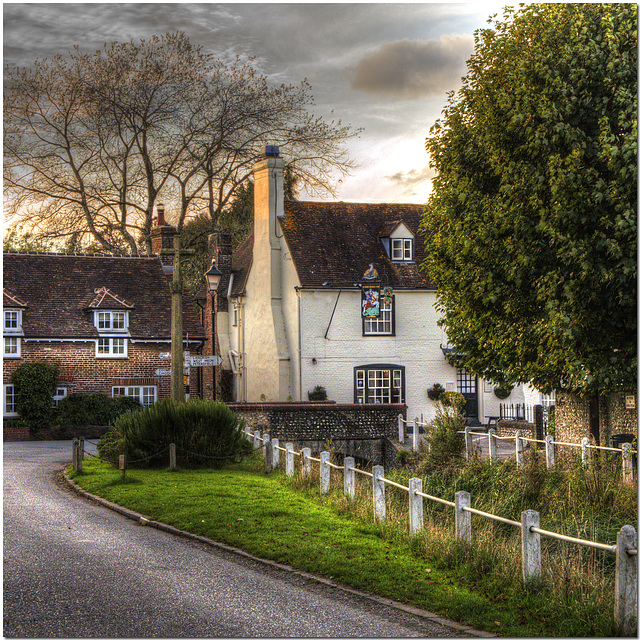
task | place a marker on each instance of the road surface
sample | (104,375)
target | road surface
(73,568)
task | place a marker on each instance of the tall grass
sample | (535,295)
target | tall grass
(576,590)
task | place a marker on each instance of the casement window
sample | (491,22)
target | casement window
(111,348)
(12,330)
(401,249)
(111,320)
(9,409)
(144,395)
(384,323)
(379,384)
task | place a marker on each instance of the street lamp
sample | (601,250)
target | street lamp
(212,278)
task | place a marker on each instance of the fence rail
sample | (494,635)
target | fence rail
(625,613)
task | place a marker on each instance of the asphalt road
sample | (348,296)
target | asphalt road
(73,568)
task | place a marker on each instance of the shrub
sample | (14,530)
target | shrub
(445,444)
(111,445)
(205,433)
(318,394)
(35,386)
(452,399)
(84,409)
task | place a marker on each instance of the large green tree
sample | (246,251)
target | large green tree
(531,226)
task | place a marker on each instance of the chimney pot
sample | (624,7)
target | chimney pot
(272,150)
(161,220)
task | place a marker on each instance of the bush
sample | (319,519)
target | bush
(452,399)
(445,444)
(205,433)
(111,445)
(35,386)
(318,394)
(85,409)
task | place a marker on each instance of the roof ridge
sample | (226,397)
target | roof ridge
(79,255)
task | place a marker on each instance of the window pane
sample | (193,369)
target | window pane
(10,346)
(118,320)
(10,319)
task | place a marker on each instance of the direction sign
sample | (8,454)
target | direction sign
(202,361)
(163,372)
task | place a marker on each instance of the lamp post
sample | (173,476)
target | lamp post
(212,278)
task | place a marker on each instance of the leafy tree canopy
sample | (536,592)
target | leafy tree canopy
(531,226)
(93,141)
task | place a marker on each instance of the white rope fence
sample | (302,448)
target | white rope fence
(625,613)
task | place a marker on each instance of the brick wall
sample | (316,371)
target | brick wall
(14,434)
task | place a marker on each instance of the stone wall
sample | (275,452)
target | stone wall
(363,431)
(572,417)
(509,428)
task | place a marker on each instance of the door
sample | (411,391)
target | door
(468,387)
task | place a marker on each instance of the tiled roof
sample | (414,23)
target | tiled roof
(241,264)
(60,289)
(333,244)
(11,300)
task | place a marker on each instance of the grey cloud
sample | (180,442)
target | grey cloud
(412,178)
(409,69)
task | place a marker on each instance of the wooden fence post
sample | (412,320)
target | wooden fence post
(519,451)
(247,433)
(531,558)
(275,454)
(379,508)
(325,472)
(172,456)
(626,587)
(400,429)
(415,506)
(493,456)
(627,463)
(463,518)
(256,439)
(306,463)
(586,452)
(80,454)
(267,453)
(289,459)
(74,453)
(550,450)
(123,464)
(468,443)
(349,477)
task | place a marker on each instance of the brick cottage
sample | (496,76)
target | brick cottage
(104,320)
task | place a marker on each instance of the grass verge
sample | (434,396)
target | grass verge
(287,521)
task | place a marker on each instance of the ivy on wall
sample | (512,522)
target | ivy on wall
(35,385)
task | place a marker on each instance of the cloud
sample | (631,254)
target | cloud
(410,69)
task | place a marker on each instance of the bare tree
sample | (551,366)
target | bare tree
(93,141)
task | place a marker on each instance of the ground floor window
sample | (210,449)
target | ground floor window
(379,384)
(9,409)
(144,395)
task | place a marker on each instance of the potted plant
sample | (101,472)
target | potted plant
(435,392)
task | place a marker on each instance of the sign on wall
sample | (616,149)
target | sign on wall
(370,302)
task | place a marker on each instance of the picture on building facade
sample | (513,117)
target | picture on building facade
(370,302)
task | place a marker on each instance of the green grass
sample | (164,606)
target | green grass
(288,521)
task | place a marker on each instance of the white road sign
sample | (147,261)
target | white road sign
(202,361)
(163,372)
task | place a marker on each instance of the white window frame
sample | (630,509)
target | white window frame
(15,325)
(379,384)
(111,321)
(383,324)
(11,346)
(402,249)
(9,392)
(112,347)
(146,395)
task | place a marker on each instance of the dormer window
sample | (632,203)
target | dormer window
(401,249)
(12,330)
(111,321)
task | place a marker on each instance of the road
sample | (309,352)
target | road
(73,568)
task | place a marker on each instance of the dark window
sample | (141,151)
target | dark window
(379,384)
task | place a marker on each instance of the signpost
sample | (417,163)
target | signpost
(202,361)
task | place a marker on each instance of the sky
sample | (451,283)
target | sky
(385,68)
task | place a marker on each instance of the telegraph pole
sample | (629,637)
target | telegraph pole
(177,355)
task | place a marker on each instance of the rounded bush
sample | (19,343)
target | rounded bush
(205,433)
(85,409)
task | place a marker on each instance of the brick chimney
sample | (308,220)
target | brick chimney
(162,238)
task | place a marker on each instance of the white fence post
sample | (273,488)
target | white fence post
(247,433)
(172,456)
(531,558)
(256,438)
(626,588)
(627,463)
(463,518)
(379,508)
(468,443)
(349,477)
(416,435)
(306,462)
(550,450)
(415,506)
(400,429)
(325,472)
(289,459)
(586,452)
(519,452)
(275,453)
(265,446)
(493,456)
